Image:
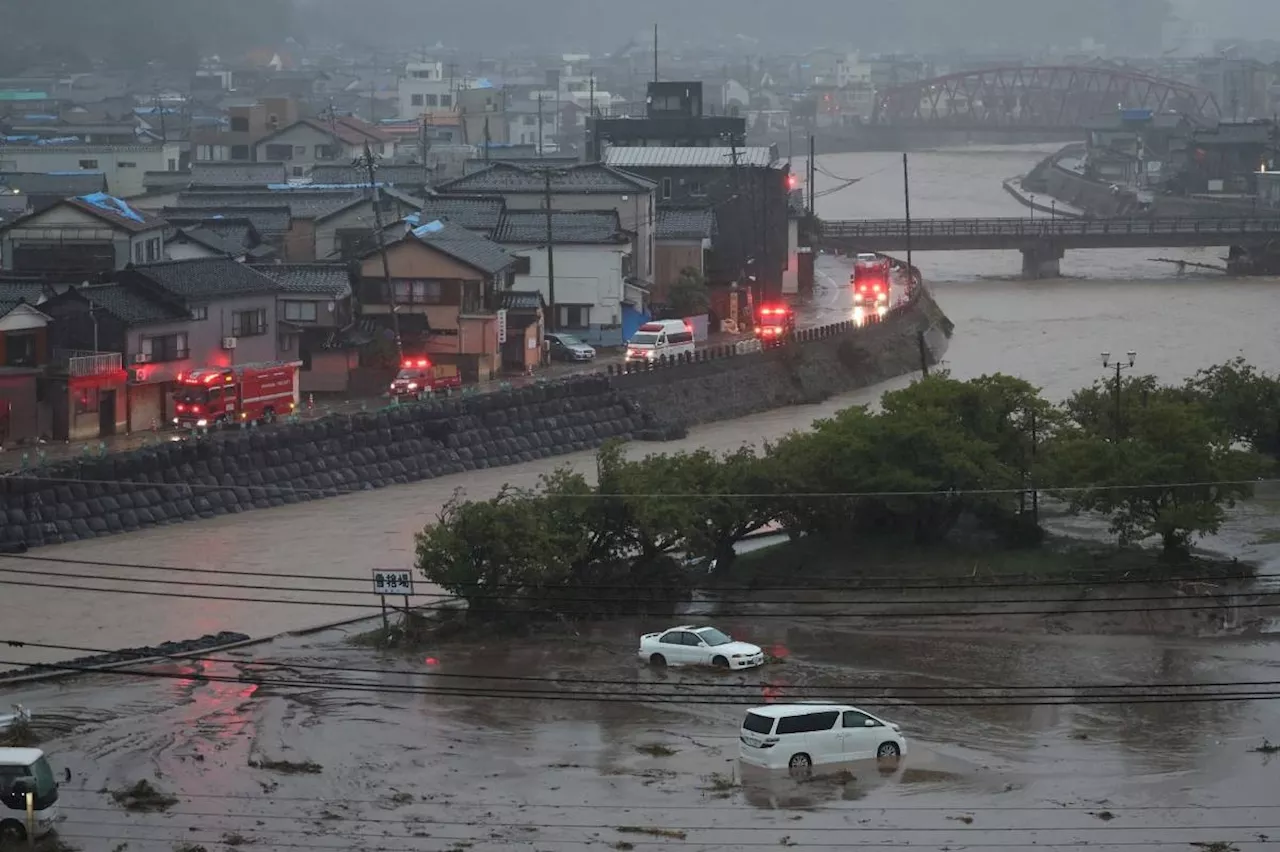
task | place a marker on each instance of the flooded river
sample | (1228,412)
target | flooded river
(412,769)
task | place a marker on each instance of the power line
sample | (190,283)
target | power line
(858,583)
(560,599)
(888,687)
(630,696)
(533,613)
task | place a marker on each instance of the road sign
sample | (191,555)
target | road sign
(502,325)
(393,582)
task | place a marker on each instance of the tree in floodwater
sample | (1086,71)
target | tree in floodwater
(1171,473)
(1245,401)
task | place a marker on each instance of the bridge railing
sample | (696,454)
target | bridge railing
(1023,227)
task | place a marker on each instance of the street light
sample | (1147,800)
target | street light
(1119,366)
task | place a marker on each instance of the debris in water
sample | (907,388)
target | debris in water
(143,797)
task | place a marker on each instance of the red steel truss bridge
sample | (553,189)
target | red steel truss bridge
(1041,98)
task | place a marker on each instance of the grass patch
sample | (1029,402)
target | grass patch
(622,844)
(1217,846)
(657,750)
(1268,537)
(144,797)
(651,831)
(413,631)
(235,838)
(20,734)
(189,847)
(718,782)
(1267,747)
(288,767)
(814,560)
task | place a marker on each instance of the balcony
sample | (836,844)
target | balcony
(79,364)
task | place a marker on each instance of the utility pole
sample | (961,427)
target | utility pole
(373,90)
(369,163)
(906,192)
(487,140)
(812,170)
(1031,472)
(539,125)
(551,254)
(655,53)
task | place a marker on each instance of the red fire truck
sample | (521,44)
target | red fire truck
(776,322)
(871,278)
(419,378)
(245,393)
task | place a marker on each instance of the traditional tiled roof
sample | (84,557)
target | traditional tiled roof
(63,184)
(210,240)
(159,181)
(685,224)
(393,175)
(349,130)
(524,227)
(324,279)
(131,305)
(237,174)
(14,293)
(584,179)
(475,213)
(206,278)
(117,212)
(689,158)
(302,204)
(463,245)
(272,219)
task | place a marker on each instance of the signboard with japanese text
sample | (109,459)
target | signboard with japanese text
(393,582)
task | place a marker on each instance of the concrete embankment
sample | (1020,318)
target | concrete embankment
(296,463)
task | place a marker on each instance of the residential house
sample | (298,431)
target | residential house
(522,321)
(23,352)
(482,112)
(87,234)
(42,191)
(313,304)
(1225,158)
(197,243)
(589,186)
(123,166)
(445,288)
(748,188)
(674,117)
(426,89)
(261,231)
(531,122)
(518,154)
(412,178)
(311,141)
(165,319)
(684,239)
(246,125)
(592,255)
(479,213)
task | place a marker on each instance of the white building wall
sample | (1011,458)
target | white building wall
(123,165)
(589,275)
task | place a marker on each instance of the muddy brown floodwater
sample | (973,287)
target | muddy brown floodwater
(643,763)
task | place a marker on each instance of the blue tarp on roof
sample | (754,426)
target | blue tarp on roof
(111,204)
(413,220)
(483,83)
(429,228)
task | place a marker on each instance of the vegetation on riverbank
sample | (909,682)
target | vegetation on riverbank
(944,466)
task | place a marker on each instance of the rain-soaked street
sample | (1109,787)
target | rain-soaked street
(407,766)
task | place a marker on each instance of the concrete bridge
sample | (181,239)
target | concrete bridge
(1043,242)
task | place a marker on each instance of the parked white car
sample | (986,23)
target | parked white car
(698,646)
(801,736)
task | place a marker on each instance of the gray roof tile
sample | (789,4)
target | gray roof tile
(302,203)
(392,175)
(155,181)
(130,305)
(525,227)
(685,224)
(325,279)
(64,185)
(206,278)
(473,213)
(237,174)
(264,220)
(118,212)
(470,248)
(687,158)
(583,178)
(210,240)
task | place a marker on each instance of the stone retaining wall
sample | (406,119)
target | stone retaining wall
(293,463)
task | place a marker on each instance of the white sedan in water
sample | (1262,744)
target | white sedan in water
(698,646)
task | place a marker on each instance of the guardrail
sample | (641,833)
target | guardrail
(80,363)
(1040,228)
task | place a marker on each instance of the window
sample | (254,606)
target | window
(326,152)
(239,152)
(168,347)
(530,120)
(758,724)
(680,337)
(88,164)
(431,100)
(122,164)
(666,188)
(20,349)
(138,252)
(573,316)
(279,153)
(672,638)
(854,719)
(200,312)
(298,171)
(285,343)
(416,100)
(808,723)
(353,242)
(249,323)
(300,311)
(87,401)
(173,164)
(300,150)
(446,100)
(239,124)
(695,188)
(418,292)
(153,250)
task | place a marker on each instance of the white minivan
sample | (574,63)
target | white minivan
(801,736)
(661,338)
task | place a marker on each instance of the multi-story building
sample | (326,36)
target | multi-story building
(312,141)
(82,236)
(674,117)
(123,166)
(425,89)
(246,125)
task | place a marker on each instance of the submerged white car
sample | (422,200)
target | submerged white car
(698,646)
(801,736)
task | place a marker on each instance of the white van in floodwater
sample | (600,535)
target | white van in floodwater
(661,339)
(801,736)
(25,772)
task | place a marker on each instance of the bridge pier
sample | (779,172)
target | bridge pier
(1042,261)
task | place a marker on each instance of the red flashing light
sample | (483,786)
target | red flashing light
(792,181)
(209,379)
(411,363)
